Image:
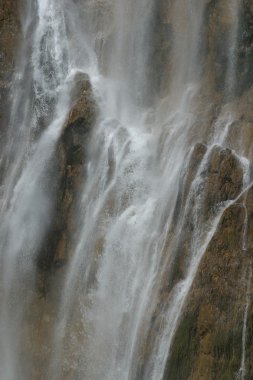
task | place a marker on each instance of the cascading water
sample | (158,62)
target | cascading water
(128,226)
(26,201)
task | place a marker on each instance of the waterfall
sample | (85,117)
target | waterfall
(135,209)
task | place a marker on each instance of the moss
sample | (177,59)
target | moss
(184,350)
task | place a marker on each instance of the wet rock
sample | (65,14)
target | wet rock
(69,174)
(189,174)
(162,35)
(210,179)
(213,316)
(249,220)
(223,178)
(79,122)
(9,38)
(197,353)
(196,158)
(245,48)
(208,341)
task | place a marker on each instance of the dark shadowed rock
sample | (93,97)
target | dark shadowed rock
(69,173)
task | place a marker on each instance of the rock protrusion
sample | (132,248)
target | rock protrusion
(213,177)
(69,169)
(223,178)
(215,307)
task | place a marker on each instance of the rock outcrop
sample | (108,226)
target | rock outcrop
(69,169)
(209,339)
(68,174)
(211,178)
(208,342)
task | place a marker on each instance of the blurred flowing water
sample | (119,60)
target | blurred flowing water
(138,150)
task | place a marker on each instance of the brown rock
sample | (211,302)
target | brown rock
(215,305)
(249,219)
(224,179)
(216,300)
(9,38)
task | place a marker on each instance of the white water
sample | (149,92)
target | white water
(135,158)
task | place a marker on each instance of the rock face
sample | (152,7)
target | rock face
(208,343)
(245,48)
(209,339)
(214,47)
(219,179)
(69,173)
(209,335)
(9,37)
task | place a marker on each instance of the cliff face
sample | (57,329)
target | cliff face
(68,162)
(214,336)
(9,38)
(216,53)
(209,342)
